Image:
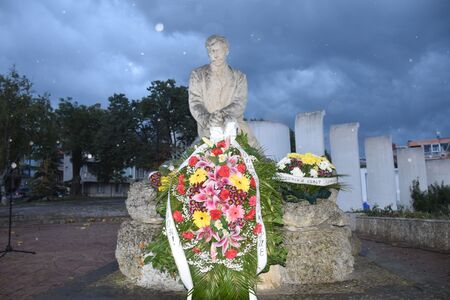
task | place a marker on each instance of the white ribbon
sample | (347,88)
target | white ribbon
(261,246)
(174,240)
(323,181)
(218,134)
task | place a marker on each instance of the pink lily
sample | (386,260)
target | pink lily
(229,239)
(219,181)
(204,163)
(206,233)
(208,194)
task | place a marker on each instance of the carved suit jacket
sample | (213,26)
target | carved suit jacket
(209,93)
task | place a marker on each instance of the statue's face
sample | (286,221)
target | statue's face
(217,53)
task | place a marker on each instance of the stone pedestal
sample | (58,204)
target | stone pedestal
(135,234)
(317,238)
(141,203)
(132,238)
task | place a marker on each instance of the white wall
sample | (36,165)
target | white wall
(272,137)
(438,171)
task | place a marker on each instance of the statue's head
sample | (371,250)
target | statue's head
(217,47)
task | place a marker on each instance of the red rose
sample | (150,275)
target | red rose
(250,215)
(221,144)
(231,253)
(241,168)
(215,214)
(252,201)
(253,183)
(224,194)
(224,171)
(193,161)
(188,235)
(177,216)
(257,229)
(196,250)
(216,151)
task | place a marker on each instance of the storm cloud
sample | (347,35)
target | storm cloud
(384,64)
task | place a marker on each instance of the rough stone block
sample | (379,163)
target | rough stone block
(318,255)
(303,214)
(272,279)
(133,236)
(141,203)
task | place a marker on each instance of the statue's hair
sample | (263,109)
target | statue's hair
(214,39)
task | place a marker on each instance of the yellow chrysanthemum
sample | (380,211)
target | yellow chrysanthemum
(240,182)
(295,155)
(198,177)
(201,219)
(310,159)
(164,183)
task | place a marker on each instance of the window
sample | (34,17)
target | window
(427,149)
(435,148)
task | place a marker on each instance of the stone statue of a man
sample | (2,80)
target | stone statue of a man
(218,93)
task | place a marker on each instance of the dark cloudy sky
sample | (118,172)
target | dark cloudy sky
(385,64)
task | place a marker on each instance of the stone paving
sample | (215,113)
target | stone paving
(63,253)
(65,211)
(76,261)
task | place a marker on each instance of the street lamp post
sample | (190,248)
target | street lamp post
(10,170)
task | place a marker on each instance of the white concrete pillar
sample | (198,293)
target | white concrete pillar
(345,157)
(411,166)
(309,132)
(272,137)
(438,171)
(381,187)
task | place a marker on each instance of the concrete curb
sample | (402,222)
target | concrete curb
(418,233)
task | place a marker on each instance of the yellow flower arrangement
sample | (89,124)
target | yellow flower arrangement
(240,182)
(308,158)
(164,183)
(201,219)
(198,177)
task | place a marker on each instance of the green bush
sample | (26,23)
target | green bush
(401,212)
(435,201)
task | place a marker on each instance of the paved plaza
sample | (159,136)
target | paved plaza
(75,260)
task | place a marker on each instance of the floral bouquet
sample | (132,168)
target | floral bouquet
(216,207)
(214,214)
(306,177)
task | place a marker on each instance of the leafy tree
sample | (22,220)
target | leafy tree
(46,181)
(15,130)
(165,120)
(78,125)
(115,141)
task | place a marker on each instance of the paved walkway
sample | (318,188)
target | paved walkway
(76,261)
(63,253)
(65,211)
